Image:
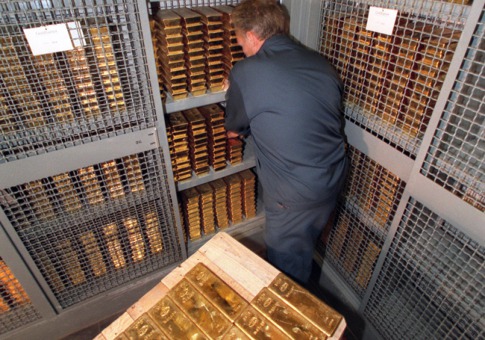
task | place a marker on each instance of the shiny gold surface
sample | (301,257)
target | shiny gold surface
(93,253)
(219,293)
(198,308)
(113,243)
(322,316)
(135,238)
(292,323)
(256,326)
(174,322)
(144,328)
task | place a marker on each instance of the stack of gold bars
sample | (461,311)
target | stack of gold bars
(207,208)
(112,179)
(177,129)
(104,50)
(17,85)
(234,198)
(214,45)
(12,294)
(199,155)
(248,181)
(216,134)
(191,213)
(202,305)
(195,55)
(170,55)
(220,203)
(232,52)
(234,150)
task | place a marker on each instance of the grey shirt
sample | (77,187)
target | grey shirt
(289,99)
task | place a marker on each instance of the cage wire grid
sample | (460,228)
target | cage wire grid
(364,214)
(97,227)
(16,309)
(392,81)
(455,159)
(98,89)
(431,285)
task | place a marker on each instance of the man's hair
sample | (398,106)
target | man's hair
(265,18)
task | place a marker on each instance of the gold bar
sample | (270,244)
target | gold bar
(67,192)
(256,326)
(12,285)
(144,328)
(321,315)
(113,180)
(40,201)
(91,185)
(71,263)
(175,324)
(235,333)
(133,172)
(114,245)
(93,253)
(135,238)
(195,305)
(219,293)
(285,317)
(154,232)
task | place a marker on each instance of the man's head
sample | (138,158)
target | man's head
(257,20)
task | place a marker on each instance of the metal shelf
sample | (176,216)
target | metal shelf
(191,101)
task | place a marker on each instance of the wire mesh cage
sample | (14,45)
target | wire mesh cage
(95,87)
(431,285)
(455,158)
(364,214)
(16,309)
(392,82)
(97,227)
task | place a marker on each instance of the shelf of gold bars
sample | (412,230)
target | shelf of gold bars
(195,48)
(392,82)
(95,89)
(95,228)
(364,214)
(16,309)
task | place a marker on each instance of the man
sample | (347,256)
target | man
(289,99)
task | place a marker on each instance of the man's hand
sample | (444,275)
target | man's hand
(232,134)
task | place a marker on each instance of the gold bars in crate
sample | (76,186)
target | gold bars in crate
(112,179)
(218,292)
(135,237)
(256,326)
(133,172)
(113,243)
(67,192)
(369,257)
(234,198)
(207,208)
(173,321)
(93,253)
(321,315)
(216,135)
(199,156)
(39,200)
(191,211)
(198,308)
(107,68)
(154,232)
(248,180)
(234,150)
(220,204)
(292,323)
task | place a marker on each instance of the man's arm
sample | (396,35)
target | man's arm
(237,121)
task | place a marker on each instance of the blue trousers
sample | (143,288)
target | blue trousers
(291,235)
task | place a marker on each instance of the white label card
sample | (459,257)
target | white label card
(48,39)
(381,20)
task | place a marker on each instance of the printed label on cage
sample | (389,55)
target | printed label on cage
(48,39)
(381,20)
